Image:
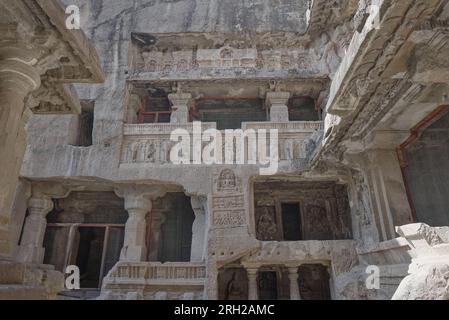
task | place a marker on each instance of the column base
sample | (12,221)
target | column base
(279,114)
(31,254)
(136,253)
(21,281)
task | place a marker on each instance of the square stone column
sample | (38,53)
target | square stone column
(277,102)
(180,107)
(31,249)
(134,244)
(388,192)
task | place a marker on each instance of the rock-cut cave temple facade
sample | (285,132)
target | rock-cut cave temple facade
(357,90)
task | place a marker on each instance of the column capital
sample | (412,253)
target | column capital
(40,206)
(180,108)
(134,192)
(252,271)
(278,98)
(293,270)
(199,204)
(180,99)
(18,76)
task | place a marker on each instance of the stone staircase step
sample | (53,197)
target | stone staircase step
(20,292)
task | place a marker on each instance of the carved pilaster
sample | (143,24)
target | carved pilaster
(198,253)
(31,248)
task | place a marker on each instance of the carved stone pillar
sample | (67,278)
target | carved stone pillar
(180,107)
(294,286)
(157,220)
(277,102)
(252,284)
(134,247)
(388,193)
(31,248)
(18,78)
(198,229)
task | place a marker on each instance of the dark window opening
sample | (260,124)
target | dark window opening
(176,232)
(267,285)
(90,252)
(86,124)
(91,238)
(273,283)
(230,113)
(291,221)
(303,109)
(155,110)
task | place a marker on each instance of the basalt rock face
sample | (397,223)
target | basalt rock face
(427,282)
(162,16)
(342,82)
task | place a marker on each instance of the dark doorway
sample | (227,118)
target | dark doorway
(230,113)
(94,248)
(267,285)
(291,221)
(176,238)
(90,252)
(314,282)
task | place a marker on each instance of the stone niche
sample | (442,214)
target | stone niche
(232,284)
(296,211)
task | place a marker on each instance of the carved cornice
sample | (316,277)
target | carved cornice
(374,74)
(55,98)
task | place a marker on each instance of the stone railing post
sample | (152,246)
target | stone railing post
(277,102)
(180,107)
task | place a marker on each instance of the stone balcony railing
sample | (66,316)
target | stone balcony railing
(151,144)
(157,274)
(154,281)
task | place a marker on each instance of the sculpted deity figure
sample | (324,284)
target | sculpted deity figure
(266,227)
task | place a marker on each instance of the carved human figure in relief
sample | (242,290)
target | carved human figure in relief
(266,227)
(226,180)
(233,290)
(151,152)
(288,149)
